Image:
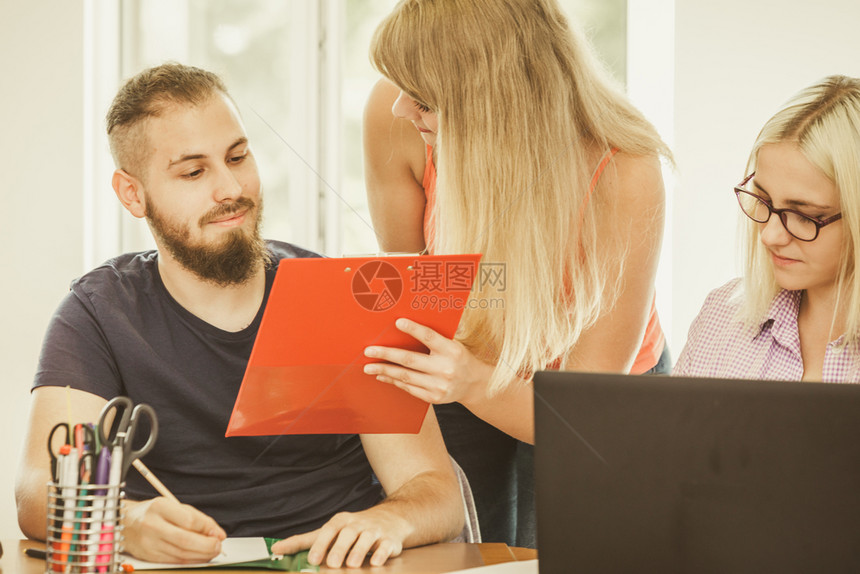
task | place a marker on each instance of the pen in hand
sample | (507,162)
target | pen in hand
(153,480)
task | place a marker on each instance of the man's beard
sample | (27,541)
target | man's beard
(232,261)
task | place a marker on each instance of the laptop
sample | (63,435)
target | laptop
(676,475)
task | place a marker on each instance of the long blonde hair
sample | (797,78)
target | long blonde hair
(824,121)
(520,101)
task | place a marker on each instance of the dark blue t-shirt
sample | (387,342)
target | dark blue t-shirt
(119,332)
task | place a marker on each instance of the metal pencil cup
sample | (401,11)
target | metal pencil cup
(84,528)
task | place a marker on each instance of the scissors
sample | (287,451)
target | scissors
(126,421)
(54,456)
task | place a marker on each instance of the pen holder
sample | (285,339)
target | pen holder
(84,528)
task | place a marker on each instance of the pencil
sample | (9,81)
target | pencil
(153,480)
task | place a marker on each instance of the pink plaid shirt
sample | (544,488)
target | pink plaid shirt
(720,345)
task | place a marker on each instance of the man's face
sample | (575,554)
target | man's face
(202,190)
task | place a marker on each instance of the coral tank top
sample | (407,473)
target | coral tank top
(653,341)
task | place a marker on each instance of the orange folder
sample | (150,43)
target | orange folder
(305,374)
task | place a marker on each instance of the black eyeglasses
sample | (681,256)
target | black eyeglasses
(797,224)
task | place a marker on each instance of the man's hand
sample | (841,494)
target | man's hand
(422,505)
(160,530)
(351,536)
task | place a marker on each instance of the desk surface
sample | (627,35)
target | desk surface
(433,559)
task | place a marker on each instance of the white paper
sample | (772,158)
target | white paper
(233,551)
(522,567)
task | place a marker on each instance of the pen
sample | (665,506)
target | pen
(153,480)
(67,471)
(105,554)
(79,439)
(36,553)
(82,532)
(82,477)
(102,476)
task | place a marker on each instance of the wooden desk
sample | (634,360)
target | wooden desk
(433,559)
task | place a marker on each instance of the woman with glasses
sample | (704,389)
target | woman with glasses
(795,315)
(496,132)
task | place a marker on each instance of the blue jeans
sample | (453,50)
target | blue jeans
(488,456)
(664,363)
(526,522)
(500,470)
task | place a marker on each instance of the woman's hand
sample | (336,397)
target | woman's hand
(449,373)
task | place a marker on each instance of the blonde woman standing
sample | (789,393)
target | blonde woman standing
(507,139)
(795,315)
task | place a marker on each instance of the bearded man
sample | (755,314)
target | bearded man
(174,327)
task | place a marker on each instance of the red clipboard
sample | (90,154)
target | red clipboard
(305,374)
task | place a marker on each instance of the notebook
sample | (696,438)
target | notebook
(663,474)
(242,552)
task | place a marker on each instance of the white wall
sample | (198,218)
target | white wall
(735,62)
(41,171)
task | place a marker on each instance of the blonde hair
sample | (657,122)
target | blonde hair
(520,102)
(824,121)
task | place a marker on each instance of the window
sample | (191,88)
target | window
(604,22)
(300,73)
(267,54)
